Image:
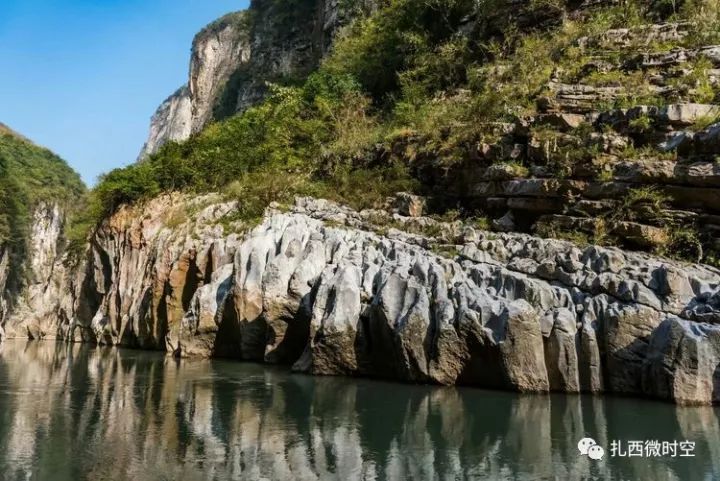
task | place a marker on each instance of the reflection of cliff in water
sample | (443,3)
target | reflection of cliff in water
(68,413)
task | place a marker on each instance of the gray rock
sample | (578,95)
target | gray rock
(561,353)
(506,223)
(218,51)
(171,122)
(511,312)
(686,115)
(682,362)
(195,335)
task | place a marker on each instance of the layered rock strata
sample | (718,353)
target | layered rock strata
(579,159)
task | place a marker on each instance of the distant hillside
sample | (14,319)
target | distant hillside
(29,175)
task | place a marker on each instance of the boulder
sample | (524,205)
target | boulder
(409,205)
(682,362)
(686,115)
(506,223)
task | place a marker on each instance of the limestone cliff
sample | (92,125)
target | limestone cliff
(171,122)
(37,307)
(36,190)
(331,291)
(233,58)
(218,51)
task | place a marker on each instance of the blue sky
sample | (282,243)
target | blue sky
(83,77)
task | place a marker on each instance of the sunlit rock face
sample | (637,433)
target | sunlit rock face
(217,53)
(234,58)
(144,267)
(44,298)
(316,288)
(171,122)
(133,416)
(510,311)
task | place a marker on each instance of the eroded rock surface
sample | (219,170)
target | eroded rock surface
(171,122)
(217,53)
(316,288)
(34,312)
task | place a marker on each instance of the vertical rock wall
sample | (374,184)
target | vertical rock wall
(171,122)
(33,312)
(217,53)
(317,289)
(233,58)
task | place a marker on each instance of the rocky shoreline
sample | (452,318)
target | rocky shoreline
(331,291)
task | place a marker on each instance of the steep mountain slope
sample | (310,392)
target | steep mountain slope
(233,58)
(36,188)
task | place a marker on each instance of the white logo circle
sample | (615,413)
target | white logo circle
(585,444)
(596,452)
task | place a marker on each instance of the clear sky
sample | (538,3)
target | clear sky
(83,77)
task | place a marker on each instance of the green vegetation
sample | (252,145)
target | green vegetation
(416,83)
(300,141)
(28,175)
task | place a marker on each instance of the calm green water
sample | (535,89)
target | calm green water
(74,413)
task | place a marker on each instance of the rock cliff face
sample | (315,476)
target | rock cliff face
(217,53)
(35,311)
(330,291)
(171,122)
(36,188)
(233,58)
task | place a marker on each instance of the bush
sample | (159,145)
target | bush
(401,35)
(300,141)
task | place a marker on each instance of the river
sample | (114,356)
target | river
(70,413)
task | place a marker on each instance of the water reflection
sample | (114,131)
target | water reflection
(73,413)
